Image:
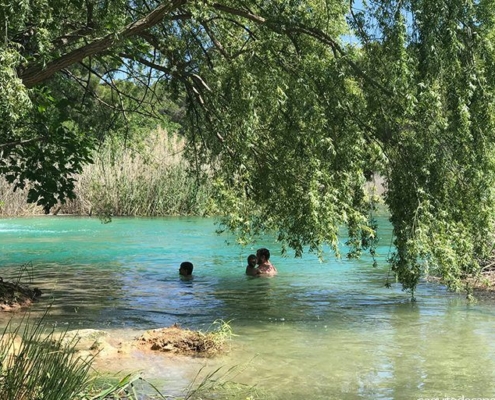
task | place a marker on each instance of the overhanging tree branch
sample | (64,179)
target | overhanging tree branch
(38,73)
(21,142)
(241,13)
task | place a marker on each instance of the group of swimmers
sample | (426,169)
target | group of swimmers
(258,265)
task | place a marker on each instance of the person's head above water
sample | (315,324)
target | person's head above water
(186,268)
(265,267)
(262,255)
(251,260)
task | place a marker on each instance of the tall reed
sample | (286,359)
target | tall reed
(145,177)
(14,203)
(149,178)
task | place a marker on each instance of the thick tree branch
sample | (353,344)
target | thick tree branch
(21,142)
(241,13)
(38,73)
(215,41)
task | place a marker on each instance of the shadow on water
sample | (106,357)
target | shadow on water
(318,330)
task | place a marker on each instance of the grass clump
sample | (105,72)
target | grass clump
(221,384)
(37,365)
(131,387)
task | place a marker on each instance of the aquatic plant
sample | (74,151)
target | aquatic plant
(220,383)
(130,388)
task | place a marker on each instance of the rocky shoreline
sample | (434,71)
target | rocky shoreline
(14,295)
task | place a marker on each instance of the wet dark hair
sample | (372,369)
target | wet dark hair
(188,266)
(263,252)
(252,260)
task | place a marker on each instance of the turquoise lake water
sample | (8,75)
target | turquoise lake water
(318,330)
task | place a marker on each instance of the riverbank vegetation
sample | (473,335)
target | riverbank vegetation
(286,109)
(147,176)
(39,363)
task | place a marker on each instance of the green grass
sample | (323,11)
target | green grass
(37,365)
(221,384)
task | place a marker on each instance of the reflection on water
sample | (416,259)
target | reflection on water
(317,330)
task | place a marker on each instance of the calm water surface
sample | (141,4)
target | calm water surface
(319,330)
